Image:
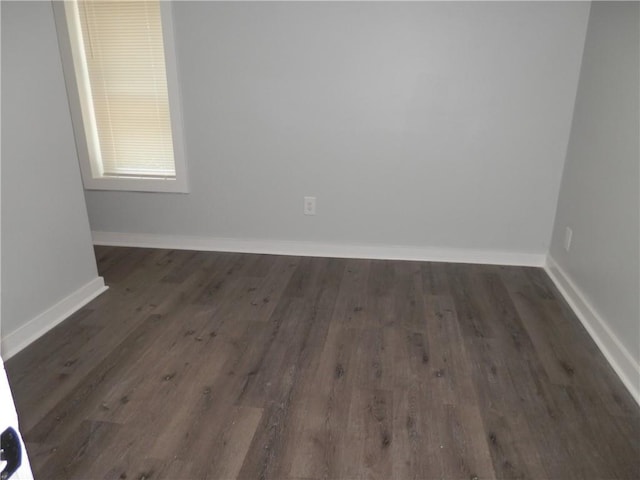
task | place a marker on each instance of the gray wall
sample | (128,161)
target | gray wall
(599,198)
(421,124)
(46,242)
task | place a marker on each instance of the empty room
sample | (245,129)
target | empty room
(320,240)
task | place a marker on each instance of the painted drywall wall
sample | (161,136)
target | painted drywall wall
(423,124)
(600,194)
(46,242)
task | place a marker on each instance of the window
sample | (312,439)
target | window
(120,67)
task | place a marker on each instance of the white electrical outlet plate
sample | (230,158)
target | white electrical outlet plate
(309,205)
(567,238)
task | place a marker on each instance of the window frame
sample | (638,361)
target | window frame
(91,171)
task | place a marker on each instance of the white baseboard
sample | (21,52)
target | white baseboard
(614,351)
(15,341)
(312,249)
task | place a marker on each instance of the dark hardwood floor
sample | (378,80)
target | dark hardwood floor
(218,365)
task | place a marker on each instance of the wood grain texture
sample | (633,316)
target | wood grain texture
(201,365)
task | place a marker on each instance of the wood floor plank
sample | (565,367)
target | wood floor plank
(446,358)
(408,291)
(205,365)
(81,450)
(305,343)
(257,296)
(351,305)
(468,453)
(318,441)
(370,434)
(380,295)
(412,455)
(435,278)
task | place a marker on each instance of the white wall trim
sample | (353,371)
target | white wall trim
(15,341)
(313,249)
(627,368)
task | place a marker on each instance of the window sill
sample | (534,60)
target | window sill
(159,185)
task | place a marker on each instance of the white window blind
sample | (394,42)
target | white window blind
(123,50)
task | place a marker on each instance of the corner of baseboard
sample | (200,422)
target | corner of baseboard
(622,362)
(33,329)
